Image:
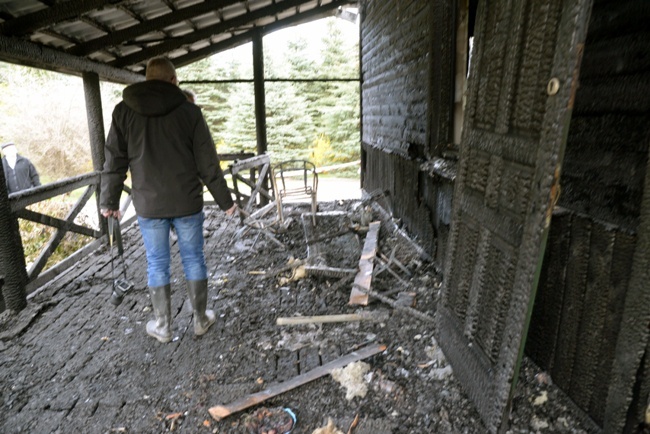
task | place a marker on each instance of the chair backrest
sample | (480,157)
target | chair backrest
(304,169)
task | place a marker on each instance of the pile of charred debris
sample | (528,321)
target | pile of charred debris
(345,301)
(353,251)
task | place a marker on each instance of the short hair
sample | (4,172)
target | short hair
(160,68)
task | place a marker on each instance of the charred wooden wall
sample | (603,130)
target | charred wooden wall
(588,261)
(406,111)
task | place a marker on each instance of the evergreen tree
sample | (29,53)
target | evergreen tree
(238,133)
(212,98)
(290,130)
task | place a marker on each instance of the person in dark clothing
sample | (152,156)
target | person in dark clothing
(165,142)
(20,173)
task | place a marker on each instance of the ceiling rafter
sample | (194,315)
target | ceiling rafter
(242,38)
(25,24)
(161,22)
(170,5)
(130,13)
(205,33)
(58,35)
(94,23)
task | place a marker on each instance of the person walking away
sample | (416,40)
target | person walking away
(165,142)
(20,173)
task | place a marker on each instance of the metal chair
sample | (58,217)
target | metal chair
(295,179)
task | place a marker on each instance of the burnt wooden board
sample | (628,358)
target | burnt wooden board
(363,279)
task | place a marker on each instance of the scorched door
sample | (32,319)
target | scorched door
(521,87)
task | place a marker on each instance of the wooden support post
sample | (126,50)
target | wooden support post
(220,411)
(260,102)
(359,294)
(260,98)
(96,135)
(12,255)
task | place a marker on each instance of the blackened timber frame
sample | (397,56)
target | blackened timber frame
(161,22)
(167,46)
(59,12)
(247,36)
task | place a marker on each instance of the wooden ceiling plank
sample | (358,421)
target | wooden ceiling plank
(243,38)
(25,24)
(205,33)
(145,27)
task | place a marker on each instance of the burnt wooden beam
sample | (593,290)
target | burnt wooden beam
(260,100)
(59,36)
(130,13)
(170,5)
(25,198)
(46,17)
(245,37)
(15,50)
(57,223)
(96,24)
(95,118)
(145,27)
(205,33)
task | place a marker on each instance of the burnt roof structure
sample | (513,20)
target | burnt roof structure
(115,38)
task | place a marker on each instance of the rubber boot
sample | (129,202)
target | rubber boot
(203,319)
(160,327)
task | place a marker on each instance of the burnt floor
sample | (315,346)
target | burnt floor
(72,362)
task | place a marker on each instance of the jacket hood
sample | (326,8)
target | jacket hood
(153,97)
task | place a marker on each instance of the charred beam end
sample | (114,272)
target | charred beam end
(161,22)
(60,12)
(245,37)
(207,32)
(15,50)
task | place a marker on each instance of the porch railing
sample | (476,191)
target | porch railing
(21,200)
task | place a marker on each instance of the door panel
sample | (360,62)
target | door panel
(511,152)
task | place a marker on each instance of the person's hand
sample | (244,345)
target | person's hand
(230,211)
(111,213)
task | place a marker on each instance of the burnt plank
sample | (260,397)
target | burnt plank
(594,314)
(545,321)
(623,252)
(573,302)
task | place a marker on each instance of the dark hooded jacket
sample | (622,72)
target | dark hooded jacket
(22,176)
(166,143)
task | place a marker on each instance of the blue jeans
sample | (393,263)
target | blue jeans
(155,234)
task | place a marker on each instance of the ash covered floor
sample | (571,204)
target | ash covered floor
(72,362)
